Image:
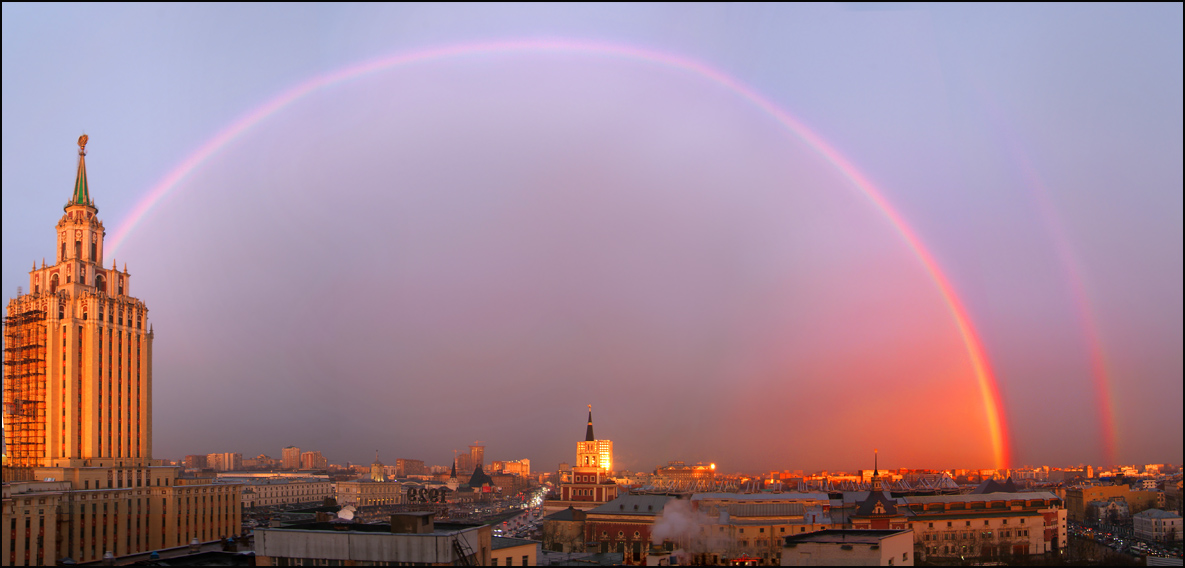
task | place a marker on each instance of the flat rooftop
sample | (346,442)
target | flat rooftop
(845,536)
(440,528)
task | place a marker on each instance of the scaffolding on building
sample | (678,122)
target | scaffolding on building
(24,393)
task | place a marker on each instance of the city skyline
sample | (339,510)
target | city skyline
(884,229)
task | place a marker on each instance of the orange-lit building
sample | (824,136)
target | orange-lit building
(590,482)
(79,476)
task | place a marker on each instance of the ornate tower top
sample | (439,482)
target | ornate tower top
(876,477)
(82,194)
(588,434)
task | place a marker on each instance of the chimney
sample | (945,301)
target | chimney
(413,523)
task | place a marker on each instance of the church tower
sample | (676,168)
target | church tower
(594,453)
(592,482)
(78,357)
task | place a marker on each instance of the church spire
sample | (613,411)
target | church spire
(82,194)
(876,476)
(588,435)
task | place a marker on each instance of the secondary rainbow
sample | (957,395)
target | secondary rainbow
(986,382)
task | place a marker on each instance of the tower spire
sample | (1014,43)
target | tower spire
(82,194)
(588,435)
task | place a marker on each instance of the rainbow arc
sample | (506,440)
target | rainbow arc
(985,380)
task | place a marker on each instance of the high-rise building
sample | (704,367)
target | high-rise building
(405,467)
(313,460)
(196,462)
(228,461)
(78,353)
(79,476)
(477,455)
(291,457)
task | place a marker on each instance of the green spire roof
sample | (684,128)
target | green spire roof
(82,195)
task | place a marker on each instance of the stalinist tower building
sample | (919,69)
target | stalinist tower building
(79,478)
(78,353)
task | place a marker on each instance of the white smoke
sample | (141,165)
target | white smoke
(692,532)
(678,523)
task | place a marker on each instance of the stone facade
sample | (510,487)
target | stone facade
(80,393)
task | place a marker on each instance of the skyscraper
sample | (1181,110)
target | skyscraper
(78,357)
(79,476)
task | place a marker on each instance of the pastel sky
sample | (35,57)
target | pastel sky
(475,246)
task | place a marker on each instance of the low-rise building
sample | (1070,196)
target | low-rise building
(1078,497)
(410,539)
(1111,512)
(989,526)
(367,492)
(86,512)
(1157,526)
(849,547)
(563,531)
(275,491)
(513,552)
(624,525)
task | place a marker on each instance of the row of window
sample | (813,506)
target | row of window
(985,523)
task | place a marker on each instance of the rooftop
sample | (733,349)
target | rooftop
(439,528)
(760,496)
(1157,514)
(848,536)
(499,542)
(978,498)
(649,505)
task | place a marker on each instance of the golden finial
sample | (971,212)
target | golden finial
(82,143)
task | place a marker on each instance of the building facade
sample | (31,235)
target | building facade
(80,478)
(290,457)
(852,547)
(1077,499)
(78,353)
(313,460)
(409,540)
(624,525)
(278,491)
(1157,526)
(992,526)
(591,480)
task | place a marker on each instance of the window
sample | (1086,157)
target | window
(526,560)
(77,249)
(493,561)
(968,523)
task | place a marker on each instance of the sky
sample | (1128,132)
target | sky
(769,237)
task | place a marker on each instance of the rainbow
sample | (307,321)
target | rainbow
(985,379)
(1072,270)
(1086,313)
